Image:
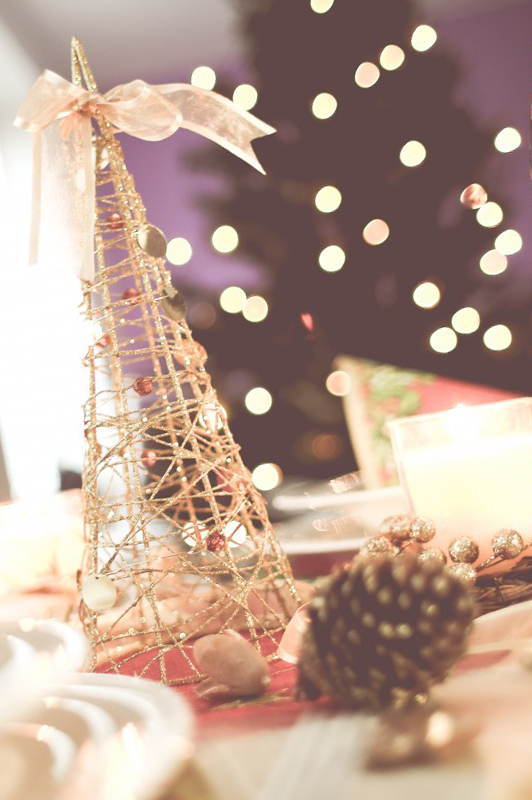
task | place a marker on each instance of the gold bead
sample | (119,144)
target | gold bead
(422,529)
(465,572)
(507,543)
(463,550)
(396,527)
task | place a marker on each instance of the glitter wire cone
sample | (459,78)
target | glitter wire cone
(172,516)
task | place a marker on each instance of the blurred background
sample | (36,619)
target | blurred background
(356,241)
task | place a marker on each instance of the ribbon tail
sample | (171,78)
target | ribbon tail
(218,119)
(36,199)
(66,199)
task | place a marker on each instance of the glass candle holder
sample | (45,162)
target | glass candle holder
(469,469)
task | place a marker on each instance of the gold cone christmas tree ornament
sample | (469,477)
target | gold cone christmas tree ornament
(178,539)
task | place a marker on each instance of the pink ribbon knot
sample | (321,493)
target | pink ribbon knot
(59,113)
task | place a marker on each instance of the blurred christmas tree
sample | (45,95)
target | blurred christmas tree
(358,225)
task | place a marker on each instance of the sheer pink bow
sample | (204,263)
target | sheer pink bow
(58,113)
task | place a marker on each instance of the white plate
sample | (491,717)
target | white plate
(101,737)
(341,524)
(34,655)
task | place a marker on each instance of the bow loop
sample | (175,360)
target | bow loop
(58,113)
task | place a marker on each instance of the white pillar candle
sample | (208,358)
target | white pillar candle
(470,470)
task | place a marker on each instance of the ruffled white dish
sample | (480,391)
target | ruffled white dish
(103,737)
(33,655)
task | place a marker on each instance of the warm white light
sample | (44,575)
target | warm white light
(426,295)
(338,383)
(332,258)
(498,337)
(443,340)
(203,77)
(412,154)
(367,75)
(235,533)
(489,215)
(376,232)
(258,400)
(328,199)
(321,6)
(178,251)
(233,299)
(423,37)
(466,320)
(324,105)
(508,242)
(194,533)
(493,263)
(391,57)
(245,96)
(267,477)
(225,239)
(507,140)
(255,309)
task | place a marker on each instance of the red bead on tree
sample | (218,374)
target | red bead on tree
(115,221)
(104,341)
(215,541)
(143,385)
(148,458)
(130,294)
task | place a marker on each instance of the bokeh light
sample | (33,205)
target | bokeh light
(245,96)
(367,75)
(474,196)
(412,154)
(321,6)
(423,38)
(233,299)
(258,400)
(324,105)
(508,242)
(225,239)
(507,140)
(255,309)
(498,337)
(266,477)
(376,232)
(443,340)
(426,295)
(493,263)
(338,383)
(466,320)
(391,57)
(328,199)
(179,251)
(489,215)
(203,77)
(332,258)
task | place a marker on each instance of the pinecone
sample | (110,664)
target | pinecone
(383,631)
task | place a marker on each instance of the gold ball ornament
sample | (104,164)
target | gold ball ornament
(152,241)
(465,572)
(432,552)
(381,633)
(173,305)
(463,550)
(507,543)
(377,546)
(396,527)
(422,529)
(474,196)
(98,592)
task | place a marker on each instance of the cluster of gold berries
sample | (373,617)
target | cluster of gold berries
(399,531)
